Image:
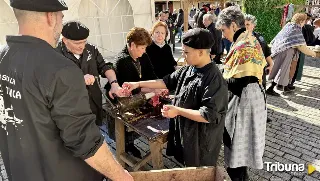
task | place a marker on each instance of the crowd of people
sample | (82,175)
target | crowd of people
(52,118)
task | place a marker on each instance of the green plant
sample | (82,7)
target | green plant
(269,17)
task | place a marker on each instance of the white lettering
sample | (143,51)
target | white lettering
(301,167)
(8,79)
(285,167)
(13,93)
(268,165)
(280,167)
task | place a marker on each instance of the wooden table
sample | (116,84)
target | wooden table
(155,130)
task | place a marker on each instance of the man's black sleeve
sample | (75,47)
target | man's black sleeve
(72,114)
(102,65)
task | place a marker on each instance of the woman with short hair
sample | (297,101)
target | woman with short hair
(245,125)
(133,64)
(160,52)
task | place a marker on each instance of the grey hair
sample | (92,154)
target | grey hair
(251,18)
(229,15)
(210,17)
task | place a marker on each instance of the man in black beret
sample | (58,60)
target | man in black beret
(87,57)
(200,105)
(47,129)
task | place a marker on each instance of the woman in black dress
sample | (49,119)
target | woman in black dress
(133,64)
(160,52)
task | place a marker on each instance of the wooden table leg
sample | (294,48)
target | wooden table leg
(120,140)
(156,154)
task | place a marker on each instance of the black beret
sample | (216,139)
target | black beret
(39,5)
(198,38)
(75,30)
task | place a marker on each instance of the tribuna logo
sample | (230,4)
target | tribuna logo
(289,167)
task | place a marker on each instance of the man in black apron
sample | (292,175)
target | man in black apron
(87,57)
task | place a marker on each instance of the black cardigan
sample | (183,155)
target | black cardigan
(161,59)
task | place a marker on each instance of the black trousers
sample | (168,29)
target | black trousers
(238,174)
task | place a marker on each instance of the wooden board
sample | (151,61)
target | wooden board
(183,174)
(151,128)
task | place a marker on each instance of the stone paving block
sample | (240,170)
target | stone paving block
(308,159)
(276,127)
(268,154)
(269,134)
(316,150)
(275,178)
(272,139)
(284,138)
(284,133)
(305,151)
(309,178)
(282,160)
(286,144)
(299,126)
(264,174)
(294,159)
(271,130)
(301,144)
(296,179)
(273,145)
(274,151)
(283,175)
(297,130)
(291,151)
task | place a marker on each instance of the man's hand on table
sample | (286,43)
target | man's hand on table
(169,111)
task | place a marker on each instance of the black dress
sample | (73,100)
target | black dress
(192,143)
(162,59)
(128,70)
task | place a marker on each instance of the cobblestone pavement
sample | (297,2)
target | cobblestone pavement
(292,137)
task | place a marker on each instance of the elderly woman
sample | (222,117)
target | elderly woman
(132,64)
(160,52)
(245,126)
(251,23)
(285,49)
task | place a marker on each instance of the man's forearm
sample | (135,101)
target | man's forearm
(104,162)
(191,114)
(153,84)
(111,75)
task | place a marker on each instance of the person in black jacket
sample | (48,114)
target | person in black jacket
(87,57)
(133,64)
(47,129)
(178,23)
(159,52)
(198,18)
(216,49)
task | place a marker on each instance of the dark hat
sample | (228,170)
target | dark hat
(75,30)
(198,38)
(39,5)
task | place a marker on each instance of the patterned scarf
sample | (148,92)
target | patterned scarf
(245,59)
(290,36)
